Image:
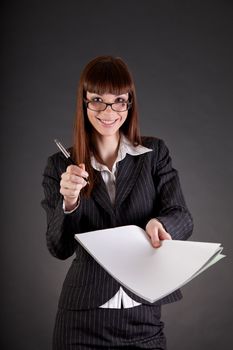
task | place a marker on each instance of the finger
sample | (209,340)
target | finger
(154,236)
(71,178)
(76,170)
(82,166)
(164,235)
(66,192)
(71,186)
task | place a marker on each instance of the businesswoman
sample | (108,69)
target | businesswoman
(119,178)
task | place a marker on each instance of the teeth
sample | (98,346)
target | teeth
(107,121)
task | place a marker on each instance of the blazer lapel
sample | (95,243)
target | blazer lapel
(101,196)
(127,174)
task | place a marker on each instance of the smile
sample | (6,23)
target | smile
(107,122)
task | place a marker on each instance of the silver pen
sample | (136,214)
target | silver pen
(64,151)
(66,154)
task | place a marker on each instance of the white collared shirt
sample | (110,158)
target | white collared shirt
(120,299)
(109,176)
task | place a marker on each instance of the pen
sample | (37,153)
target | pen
(66,153)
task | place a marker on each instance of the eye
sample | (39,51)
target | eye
(96,99)
(120,100)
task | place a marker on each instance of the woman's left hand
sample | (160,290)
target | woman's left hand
(156,232)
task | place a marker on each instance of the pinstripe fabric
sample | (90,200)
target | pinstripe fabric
(147,186)
(137,328)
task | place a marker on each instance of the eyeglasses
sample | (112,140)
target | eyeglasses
(98,106)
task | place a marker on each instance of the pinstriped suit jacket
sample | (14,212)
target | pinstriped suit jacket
(147,186)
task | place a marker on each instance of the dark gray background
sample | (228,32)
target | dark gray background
(181,54)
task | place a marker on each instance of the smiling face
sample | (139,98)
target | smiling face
(107,122)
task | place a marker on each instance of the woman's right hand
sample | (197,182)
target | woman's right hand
(72,181)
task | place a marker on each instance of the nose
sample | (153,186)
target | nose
(108,110)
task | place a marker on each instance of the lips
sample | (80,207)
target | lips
(107,122)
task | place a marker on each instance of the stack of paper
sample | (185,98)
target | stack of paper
(126,253)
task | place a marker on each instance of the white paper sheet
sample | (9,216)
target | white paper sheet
(152,273)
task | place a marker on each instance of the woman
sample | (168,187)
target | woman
(120,179)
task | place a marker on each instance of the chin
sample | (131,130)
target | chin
(108,133)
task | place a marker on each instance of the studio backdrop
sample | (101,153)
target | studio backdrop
(180,54)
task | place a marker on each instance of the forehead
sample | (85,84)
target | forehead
(107,95)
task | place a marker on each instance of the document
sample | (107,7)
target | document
(151,273)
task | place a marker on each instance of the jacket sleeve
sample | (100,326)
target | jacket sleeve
(172,211)
(60,232)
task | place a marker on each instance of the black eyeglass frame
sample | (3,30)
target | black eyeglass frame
(129,105)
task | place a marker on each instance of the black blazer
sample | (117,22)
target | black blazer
(146,187)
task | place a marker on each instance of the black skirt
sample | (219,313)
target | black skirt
(139,327)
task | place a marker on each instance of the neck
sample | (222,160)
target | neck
(107,148)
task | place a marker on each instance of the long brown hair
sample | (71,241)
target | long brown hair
(104,74)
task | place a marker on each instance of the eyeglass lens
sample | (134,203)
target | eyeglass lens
(101,106)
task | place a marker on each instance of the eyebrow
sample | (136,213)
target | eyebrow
(94,93)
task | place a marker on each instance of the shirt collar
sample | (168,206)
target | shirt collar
(125,147)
